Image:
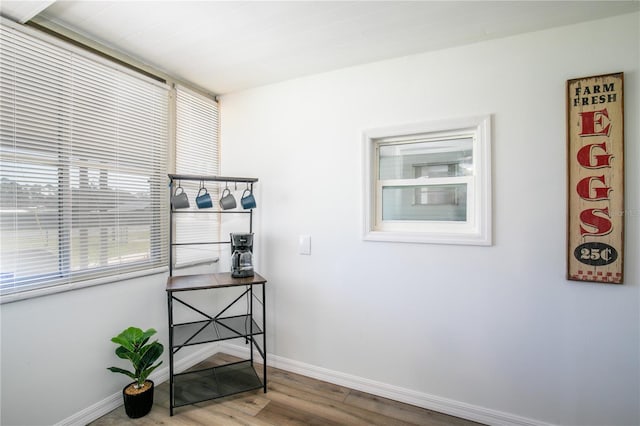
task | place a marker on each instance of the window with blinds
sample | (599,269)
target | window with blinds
(83,160)
(196,154)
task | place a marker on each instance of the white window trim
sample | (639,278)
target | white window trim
(478,228)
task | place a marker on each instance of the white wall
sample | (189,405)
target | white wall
(498,327)
(55,349)
(495,327)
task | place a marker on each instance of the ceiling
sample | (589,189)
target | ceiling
(226,46)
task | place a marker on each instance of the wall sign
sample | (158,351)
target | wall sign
(595,138)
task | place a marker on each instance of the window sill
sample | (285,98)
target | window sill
(428,238)
(46,291)
(196,263)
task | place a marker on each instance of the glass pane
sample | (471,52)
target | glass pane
(426,202)
(95,247)
(29,221)
(111,216)
(445,158)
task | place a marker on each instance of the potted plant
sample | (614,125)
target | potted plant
(138,396)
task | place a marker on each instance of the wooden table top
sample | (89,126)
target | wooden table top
(205,281)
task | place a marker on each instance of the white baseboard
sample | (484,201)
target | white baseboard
(419,399)
(93,412)
(159,376)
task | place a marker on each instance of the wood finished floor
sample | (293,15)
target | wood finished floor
(291,399)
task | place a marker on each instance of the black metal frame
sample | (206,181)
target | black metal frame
(249,333)
(225,179)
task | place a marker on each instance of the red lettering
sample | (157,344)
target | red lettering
(596,219)
(585,156)
(589,121)
(584,187)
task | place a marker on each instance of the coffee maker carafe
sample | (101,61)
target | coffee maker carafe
(241,257)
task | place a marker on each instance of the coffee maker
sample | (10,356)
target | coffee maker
(241,257)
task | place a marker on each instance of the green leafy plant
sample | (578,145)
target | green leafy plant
(134,347)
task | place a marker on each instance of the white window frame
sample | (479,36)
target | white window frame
(476,230)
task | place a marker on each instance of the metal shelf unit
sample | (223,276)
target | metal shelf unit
(199,385)
(197,178)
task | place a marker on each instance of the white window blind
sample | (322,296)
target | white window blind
(82,167)
(196,154)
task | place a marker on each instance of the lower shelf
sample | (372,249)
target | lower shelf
(216,382)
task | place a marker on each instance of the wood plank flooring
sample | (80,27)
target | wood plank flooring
(291,400)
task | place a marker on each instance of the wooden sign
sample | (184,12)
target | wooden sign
(595,134)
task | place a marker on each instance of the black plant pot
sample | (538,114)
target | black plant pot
(138,405)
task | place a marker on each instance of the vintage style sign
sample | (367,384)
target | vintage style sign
(595,135)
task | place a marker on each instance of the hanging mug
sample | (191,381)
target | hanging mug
(227,201)
(248,201)
(180,200)
(204,201)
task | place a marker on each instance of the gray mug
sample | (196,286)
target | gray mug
(227,201)
(180,200)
